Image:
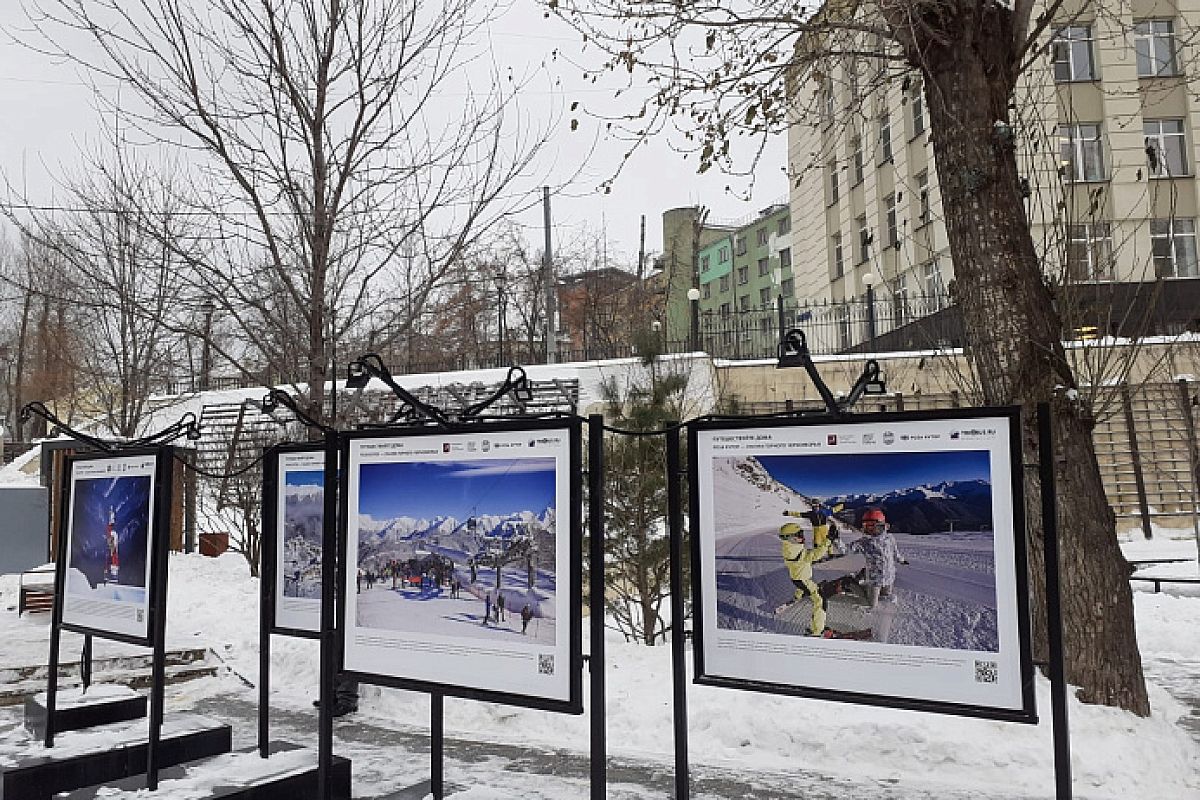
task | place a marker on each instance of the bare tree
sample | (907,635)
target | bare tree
(721,73)
(320,153)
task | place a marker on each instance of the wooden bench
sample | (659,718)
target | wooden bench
(36,591)
(1159,580)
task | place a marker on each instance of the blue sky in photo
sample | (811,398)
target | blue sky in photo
(305,477)
(874,473)
(456,489)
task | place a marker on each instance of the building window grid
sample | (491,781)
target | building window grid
(1166,147)
(1081,151)
(834,189)
(1154,44)
(839,257)
(764,296)
(860,166)
(723,255)
(740,246)
(922,198)
(1173,242)
(724,283)
(785,258)
(1089,252)
(900,306)
(893,226)
(707,291)
(784,226)
(743,275)
(788,288)
(918,109)
(885,136)
(934,291)
(1071,51)
(864,240)
(764,266)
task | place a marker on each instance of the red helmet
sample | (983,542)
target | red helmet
(873,515)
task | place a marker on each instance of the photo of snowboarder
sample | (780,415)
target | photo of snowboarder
(451,548)
(303,513)
(110,526)
(886,547)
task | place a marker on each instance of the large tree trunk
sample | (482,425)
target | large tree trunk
(1014,337)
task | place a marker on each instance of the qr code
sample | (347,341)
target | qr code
(545,665)
(986,672)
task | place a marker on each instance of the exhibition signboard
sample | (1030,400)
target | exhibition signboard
(876,559)
(463,561)
(293,515)
(114,520)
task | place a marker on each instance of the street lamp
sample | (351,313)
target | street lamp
(693,296)
(501,284)
(869,283)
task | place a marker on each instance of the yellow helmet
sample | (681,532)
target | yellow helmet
(790,529)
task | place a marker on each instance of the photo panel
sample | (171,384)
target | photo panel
(110,535)
(297,538)
(880,560)
(463,563)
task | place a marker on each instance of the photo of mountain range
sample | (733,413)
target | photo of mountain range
(303,513)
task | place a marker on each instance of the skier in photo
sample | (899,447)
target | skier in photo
(799,559)
(110,538)
(499,606)
(526,615)
(487,607)
(878,547)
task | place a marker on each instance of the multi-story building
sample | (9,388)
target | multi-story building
(1104,120)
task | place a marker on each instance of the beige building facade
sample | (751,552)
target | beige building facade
(1105,123)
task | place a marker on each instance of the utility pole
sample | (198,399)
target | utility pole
(548,268)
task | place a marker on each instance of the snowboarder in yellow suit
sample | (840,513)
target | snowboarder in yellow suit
(800,558)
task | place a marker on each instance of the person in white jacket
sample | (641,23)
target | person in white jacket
(882,554)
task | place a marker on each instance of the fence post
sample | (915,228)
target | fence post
(1138,478)
(1185,398)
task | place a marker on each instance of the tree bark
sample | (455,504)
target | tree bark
(966,54)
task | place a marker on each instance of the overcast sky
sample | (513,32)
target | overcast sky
(49,113)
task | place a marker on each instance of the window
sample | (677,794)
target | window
(762,236)
(1071,51)
(859,167)
(764,296)
(841,316)
(922,198)
(827,100)
(1089,252)
(917,98)
(785,258)
(788,288)
(893,229)
(1166,147)
(864,239)
(704,262)
(722,255)
(744,302)
(931,275)
(833,182)
(900,306)
(743,275)
(764,266)
(724,283)
(707,291)
(1173,242)
(839,257)
(885,136)
(1081,152)
(785,225)
(1154,42)
(739,245)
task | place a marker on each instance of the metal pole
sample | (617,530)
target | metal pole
(437,741)
(266,600)
(1139,478)
(1054,630)
(695,326)
(85,662)
(599,715)
(1185,397)
(548,268)
(871,315)
(206,349)
(158,616)
(328,631)
(678,652)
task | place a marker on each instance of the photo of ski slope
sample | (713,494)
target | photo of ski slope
(890,547)
(110,529)
(464,549)
(303,512)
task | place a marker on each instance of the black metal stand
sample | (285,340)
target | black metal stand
(85,662)
(329,560)
(266,604)
(1054,631)
(437,743)
(678,651)
(599,713)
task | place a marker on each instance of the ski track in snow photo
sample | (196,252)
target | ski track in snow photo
(945,597)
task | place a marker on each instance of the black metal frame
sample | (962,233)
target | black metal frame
(1027,714)
(156,586)
(269,563)
(571,426)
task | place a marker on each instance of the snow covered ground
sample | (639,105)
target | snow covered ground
(789,747)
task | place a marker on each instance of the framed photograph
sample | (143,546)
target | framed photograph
(463,562)
(877,559)
(293,530)
(114,523)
